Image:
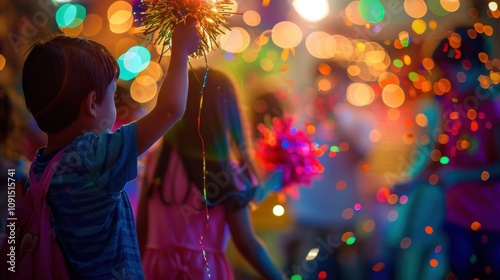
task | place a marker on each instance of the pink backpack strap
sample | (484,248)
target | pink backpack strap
(40,187)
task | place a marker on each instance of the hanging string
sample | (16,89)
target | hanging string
(202,236)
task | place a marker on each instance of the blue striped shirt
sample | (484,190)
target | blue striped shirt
(91,213)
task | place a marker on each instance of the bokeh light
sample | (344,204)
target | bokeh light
(3,61)
(450,5)
(70,15)
(120,17)
(371,10)
(360,94)
(133,61)
(352,13)
(312,10)
(278,210)
(419,26)
(143,88)
(393,96)
(415,8)
(235,41)
(286,34)
(252,18)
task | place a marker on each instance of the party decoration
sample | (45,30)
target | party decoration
(289,149)
(161,17)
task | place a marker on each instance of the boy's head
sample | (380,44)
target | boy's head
(59,73)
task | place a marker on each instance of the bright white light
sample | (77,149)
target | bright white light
(278,210)
(312,10)
(312,254)
(493,6)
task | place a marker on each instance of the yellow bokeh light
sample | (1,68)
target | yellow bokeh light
(252,18)
(360,94)
(118,6)
(153,70)
(415,8)
(324,85)
(321,45)
(353,14)
(450,5)
(286,34)
(419,26)
(393,96)
(387,78)
(143,89)
(354,70)
(421,120)
(3,62)
(121,22)
(235,41)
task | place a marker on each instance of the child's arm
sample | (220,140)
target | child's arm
(249,245)
(272,182)
(172,97)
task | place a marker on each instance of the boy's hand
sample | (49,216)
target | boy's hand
(186,36)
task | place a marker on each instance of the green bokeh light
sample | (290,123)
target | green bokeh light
(436,8)
(398,63)
(350,240)
(444,160)
(371,10)
(133,61)
(70,15)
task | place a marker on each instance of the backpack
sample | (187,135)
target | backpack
(30,249)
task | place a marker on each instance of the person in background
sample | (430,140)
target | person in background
(182,235)
(471,112)
(323,213)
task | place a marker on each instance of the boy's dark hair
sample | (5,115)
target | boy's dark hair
(59,73)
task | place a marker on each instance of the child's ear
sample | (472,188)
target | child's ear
(91,103)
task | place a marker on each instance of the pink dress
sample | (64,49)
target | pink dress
(173,250)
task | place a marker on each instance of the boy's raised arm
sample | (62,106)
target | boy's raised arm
(172,97)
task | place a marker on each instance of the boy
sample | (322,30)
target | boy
(69,86)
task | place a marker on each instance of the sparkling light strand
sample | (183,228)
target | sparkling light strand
(203,84)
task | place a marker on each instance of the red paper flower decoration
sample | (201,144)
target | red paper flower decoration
(289,149)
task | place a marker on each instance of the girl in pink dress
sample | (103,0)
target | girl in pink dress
(174,230)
